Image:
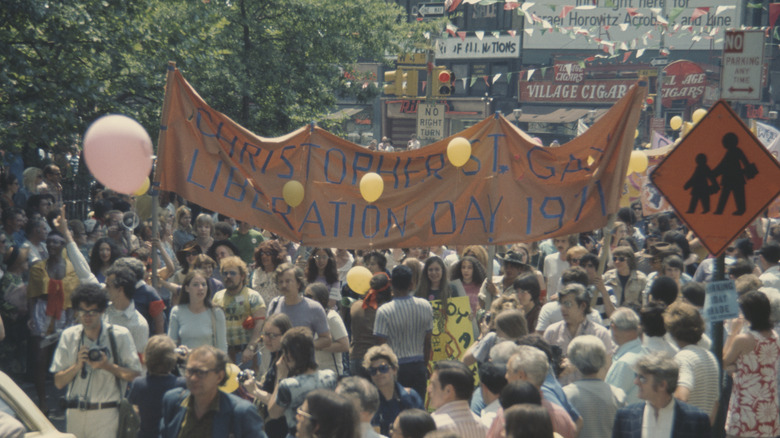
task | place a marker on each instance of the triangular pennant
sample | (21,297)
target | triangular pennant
(698,12)
(495,77)
(675,13)
(462,35)
(512,32)
(473,80)
(626,56)
(531,73)
(565,11)
(479,34)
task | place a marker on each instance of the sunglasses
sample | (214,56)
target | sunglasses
(618,259)
(380,369)
(196,372)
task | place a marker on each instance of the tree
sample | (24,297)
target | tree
(271,65)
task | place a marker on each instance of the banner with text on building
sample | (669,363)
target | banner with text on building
(510,190)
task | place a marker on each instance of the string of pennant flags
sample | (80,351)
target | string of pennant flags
(612,49)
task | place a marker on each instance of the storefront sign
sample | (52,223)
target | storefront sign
(583,24)
(684,80)
(588,91)
(569,73)
(505,46)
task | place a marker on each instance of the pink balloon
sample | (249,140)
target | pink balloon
(118,152)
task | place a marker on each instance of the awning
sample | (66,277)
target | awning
(558,115)
(343,114)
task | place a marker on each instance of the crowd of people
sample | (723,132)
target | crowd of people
(590,335)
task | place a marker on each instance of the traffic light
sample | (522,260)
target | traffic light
(442,82)
(408,83)
(391,82)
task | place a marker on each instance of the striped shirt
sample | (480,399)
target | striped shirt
(699,373)
(457,416)
(404,322)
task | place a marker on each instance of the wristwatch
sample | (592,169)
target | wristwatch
(252,347)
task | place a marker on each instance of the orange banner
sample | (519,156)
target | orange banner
(510,190)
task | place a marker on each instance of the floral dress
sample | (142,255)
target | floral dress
(753,408)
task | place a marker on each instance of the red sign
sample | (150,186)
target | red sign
(568,72)
(684,80)
(719,178)
(606,91)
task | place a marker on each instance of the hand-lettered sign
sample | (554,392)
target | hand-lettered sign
(510,190)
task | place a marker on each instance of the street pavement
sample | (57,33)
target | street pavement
(53,395)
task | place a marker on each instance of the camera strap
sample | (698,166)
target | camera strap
(89,376)
(112,341)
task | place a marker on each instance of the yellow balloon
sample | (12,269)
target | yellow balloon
(459,151)
(698,115)
(232,381)
(359,279)
(292,192)
(675,123)
(625,200)
(638,162)
(687,126)
(144,187)
(371,187)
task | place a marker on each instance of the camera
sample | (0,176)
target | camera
(94,353)
(244,375)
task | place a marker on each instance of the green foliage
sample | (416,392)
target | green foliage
(271,65)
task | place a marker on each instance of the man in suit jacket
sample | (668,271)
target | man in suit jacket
(660,415)
(203,406)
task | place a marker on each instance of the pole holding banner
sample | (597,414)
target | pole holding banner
(154,191)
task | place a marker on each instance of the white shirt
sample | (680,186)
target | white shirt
(661,427)
(132,320)
(553,268)
(488,414)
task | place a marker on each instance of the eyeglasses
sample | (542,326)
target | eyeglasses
(380,369)
(320,257)
(568,304)
(305,414)
(196,372)
(268,253)
(642,378)
(731,248)
(575,261)
(618,259)
(229,273)
(272,335)
(84,312)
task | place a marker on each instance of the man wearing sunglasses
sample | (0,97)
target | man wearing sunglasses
(95,360)
(202,410)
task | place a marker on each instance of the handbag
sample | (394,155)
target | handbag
(129,421)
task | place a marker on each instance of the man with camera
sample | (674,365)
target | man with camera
(92,358)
